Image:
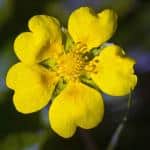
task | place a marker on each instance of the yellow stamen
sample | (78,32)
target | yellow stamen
(70,65)
(91,67)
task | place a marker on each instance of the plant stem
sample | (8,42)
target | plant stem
(114,140)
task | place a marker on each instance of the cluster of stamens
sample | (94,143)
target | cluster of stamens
(91,67)
(71,64)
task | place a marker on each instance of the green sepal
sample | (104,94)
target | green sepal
(49,63)
(91,54)
(88,81)
(59,87)
(68,41)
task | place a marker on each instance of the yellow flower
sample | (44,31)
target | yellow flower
(44,63)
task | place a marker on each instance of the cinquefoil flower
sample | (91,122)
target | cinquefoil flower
(44,63)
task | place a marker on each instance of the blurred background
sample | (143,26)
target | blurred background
(32,132)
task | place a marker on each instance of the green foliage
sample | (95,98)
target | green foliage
(6,8)
(20,141)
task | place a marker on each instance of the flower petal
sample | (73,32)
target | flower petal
(92,29)
(33,86)
(114,72)
(43,41)
(77,105)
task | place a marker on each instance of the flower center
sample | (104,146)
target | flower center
(72,64)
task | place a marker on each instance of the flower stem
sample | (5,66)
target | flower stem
(114,140)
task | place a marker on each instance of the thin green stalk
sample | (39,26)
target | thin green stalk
(114,140)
